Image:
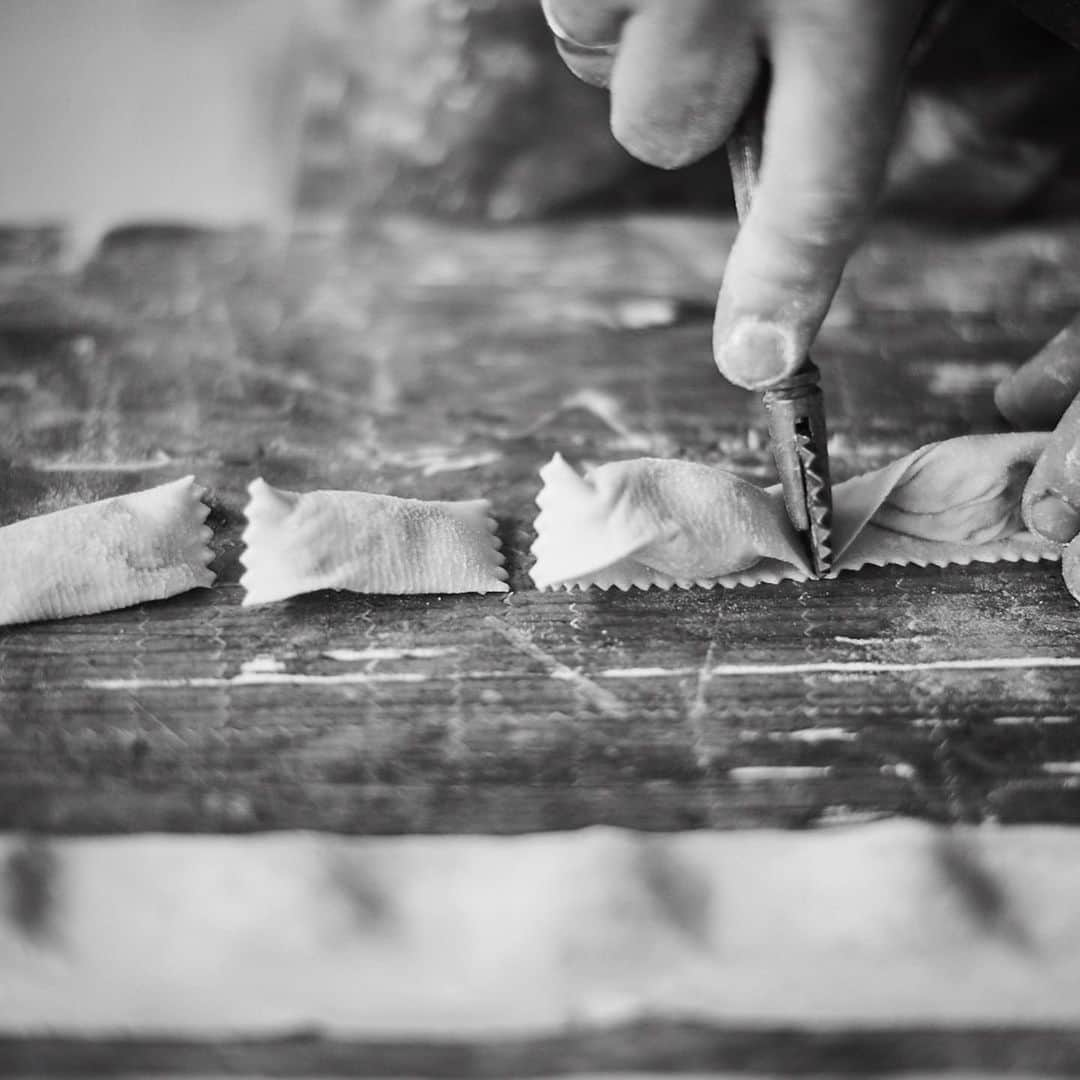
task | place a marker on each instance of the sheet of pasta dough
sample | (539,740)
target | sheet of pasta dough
(885,924)
(651,522)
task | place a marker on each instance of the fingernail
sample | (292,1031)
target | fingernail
(756,354)
(1053,518)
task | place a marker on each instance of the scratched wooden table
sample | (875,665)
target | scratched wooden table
(439,362)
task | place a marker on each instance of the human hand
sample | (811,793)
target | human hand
(1042,393)
(681,72)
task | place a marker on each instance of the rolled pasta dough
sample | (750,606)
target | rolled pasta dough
(651,523)
(106,555)
(363,542)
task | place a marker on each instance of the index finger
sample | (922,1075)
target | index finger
(836,90)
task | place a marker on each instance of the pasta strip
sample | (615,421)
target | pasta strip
(366,543)
(652,523)
(105,555)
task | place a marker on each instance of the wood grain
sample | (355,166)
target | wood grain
(446,363)
(664,1048)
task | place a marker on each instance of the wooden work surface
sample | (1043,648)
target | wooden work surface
(439,362)
(444,363)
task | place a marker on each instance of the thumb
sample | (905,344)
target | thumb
(1051,503)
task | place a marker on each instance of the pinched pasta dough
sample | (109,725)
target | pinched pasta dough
(649,522)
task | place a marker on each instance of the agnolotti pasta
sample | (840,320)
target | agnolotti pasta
(363,542)
(653,523)
(643,523)
(106,555)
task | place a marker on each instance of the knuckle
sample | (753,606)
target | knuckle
(817,218)
(1070,460)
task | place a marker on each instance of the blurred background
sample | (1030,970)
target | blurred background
(229,112)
